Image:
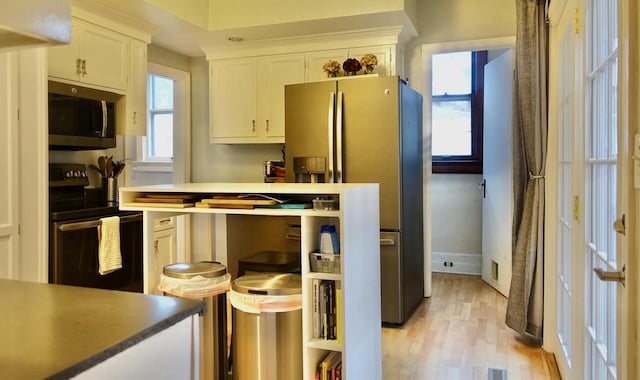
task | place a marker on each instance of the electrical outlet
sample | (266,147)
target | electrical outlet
(448,263)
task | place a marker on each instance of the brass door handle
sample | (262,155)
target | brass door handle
(619,225)
(611,276)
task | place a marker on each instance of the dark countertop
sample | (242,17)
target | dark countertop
(58,331)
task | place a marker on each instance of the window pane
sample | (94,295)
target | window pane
(161,135)
(451,73)
(162,96)
(451,128)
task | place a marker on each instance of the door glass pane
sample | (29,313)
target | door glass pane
(601,189)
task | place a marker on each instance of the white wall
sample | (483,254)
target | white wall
(456,219)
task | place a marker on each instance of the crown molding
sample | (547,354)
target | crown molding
(391,35)
(114,20)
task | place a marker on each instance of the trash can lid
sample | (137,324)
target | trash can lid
(268,284)
(207,269)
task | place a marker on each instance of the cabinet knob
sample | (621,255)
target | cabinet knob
(254,125)
(267,125)
(78,63)
(84,67)
(135,113)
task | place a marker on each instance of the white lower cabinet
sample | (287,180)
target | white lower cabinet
(164,251)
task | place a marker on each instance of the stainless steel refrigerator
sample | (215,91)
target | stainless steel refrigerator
(369,129)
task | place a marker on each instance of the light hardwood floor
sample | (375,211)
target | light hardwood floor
(459,333)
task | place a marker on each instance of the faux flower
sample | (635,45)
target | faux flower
(369,60)
(351,65)
(331,67)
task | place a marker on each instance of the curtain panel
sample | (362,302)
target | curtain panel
(525,304)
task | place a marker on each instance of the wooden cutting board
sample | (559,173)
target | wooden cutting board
(161,200)
(172,196)
(158,204)
(223,205)
(234,200)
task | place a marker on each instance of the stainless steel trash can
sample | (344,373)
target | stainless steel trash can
(267,326)
(216,281)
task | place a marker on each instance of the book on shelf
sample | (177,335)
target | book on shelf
(338,312)
(325,319)
(330,367)
(316,307)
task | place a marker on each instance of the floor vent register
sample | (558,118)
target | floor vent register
(497,374)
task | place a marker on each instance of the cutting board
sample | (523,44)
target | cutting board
(161,200)
(223,205)
(172,196)
(158,204)
(234,200)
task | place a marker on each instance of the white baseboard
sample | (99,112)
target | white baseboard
(461,263)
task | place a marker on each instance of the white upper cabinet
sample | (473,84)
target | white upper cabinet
(96,56)
(247,97)
(274,73)
(317,59)
(233,100)
(134,116)
(246,87)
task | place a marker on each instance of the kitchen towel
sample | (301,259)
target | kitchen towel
(109,257)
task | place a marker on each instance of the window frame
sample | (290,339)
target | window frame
(145,141)
(467,164)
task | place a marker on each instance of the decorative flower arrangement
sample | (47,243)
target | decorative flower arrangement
(369,61)
(331,68)
(351,66)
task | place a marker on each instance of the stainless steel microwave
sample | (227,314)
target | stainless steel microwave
(81,118)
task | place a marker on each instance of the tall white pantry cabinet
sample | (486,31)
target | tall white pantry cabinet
(357,221)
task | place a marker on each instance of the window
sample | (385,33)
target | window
(159,141)
(457,102)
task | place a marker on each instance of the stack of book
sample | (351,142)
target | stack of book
(326,309)
(330,368)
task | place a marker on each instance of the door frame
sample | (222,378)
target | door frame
(181,166)
(429,50)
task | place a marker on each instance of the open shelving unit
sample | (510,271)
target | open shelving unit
(359,337)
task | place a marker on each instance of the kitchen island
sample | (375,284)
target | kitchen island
(355,214)
(59,332)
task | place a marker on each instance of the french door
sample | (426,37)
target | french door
(593,191)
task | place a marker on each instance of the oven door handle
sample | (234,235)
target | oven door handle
(95,223)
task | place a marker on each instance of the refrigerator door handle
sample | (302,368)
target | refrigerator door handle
(332,99)
(339,139)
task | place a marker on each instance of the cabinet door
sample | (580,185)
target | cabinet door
(315,61)
(134,120)
(164,252)
(9,167)
(383,53)
(64,60)
(274,73)
(106,56)
(232,92)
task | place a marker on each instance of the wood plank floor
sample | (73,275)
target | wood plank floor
(459,333)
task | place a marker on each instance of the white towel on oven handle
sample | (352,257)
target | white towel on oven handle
(109,256)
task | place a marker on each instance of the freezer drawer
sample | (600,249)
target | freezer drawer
(390,277)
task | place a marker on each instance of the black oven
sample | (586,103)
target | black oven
(75,215)
(81,118)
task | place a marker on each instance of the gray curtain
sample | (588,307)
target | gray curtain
(525,304)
